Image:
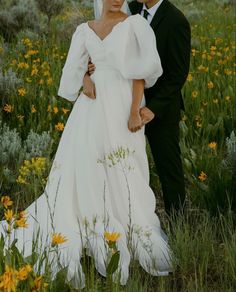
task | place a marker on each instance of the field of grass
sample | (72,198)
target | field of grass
(32,119)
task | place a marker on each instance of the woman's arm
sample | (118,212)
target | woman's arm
(138,117)
(135,121)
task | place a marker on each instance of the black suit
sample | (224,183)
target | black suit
(173,37)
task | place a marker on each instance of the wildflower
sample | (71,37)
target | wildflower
(50,81)
(23,65)
(6,201)
(34,167)
(215,100)
(22,91)
(228,71)
(21,223)
(60,126)
(194,94)
(49,109)
(38,284)
(20,117)
(65,111)
(14,62)
(194,52)
(213,48)
(190,77)
(41,81)
(184,118)
(55,110)
(8,108)
(8,281)
(29,80)
(34,70)
(33,109)
(202,177)
(212,145)
(210,85)
(199,124)
(57,239)
(27,42)
(23,273)
(111,237)
(227,98)
(9,215)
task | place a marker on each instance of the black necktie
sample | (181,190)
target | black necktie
(145,14)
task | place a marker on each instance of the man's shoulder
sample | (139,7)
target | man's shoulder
(175,15)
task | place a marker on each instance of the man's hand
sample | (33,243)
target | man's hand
(89,87)
(91,68)
(146,114)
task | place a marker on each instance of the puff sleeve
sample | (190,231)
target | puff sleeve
(138,58)
(75,66)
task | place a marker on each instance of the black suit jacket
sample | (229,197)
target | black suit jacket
(173,38)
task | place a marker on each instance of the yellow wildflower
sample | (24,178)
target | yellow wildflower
(33,109)
(21,223)
(50,81)
(60,126)
(228,71)
(210,85)
(9,215)
(38,284)
(8,281)
(49,109)
(65,111)
(8,108)
(23,273)
(202,177)
(55,110)
(6,201)
(190,77)
(41,81)
(22,91)
(111,237)
(29,80)
(23,65)
(227,98)
(199,124)
(212,145)
(20,117)
(58,238)
(194,94)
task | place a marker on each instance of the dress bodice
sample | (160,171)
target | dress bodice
(129,48)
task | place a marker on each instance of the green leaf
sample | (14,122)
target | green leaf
(113,264)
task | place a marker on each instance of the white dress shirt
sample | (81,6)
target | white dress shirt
(151,10)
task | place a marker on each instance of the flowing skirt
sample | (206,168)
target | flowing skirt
(99,181)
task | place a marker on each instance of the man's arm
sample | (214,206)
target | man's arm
(178,61)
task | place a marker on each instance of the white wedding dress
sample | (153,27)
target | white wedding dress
(89,191)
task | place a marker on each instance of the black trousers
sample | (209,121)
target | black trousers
(164,144)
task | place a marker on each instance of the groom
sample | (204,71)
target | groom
(164,99)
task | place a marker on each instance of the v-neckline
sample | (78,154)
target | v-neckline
(114,26)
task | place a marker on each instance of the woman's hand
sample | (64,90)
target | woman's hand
(135,122)
(89,87)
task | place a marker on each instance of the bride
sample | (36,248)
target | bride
(99,180)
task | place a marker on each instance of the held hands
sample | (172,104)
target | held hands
(139,119)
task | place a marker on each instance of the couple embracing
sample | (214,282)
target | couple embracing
(139,56)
